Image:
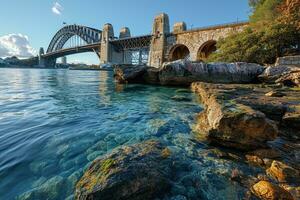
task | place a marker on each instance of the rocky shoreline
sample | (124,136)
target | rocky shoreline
(252,111)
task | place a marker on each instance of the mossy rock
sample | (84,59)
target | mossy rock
(136,172)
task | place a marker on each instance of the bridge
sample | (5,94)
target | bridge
(160,46)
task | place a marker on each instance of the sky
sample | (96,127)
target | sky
(25,26)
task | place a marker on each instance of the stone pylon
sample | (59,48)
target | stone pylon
(161,27)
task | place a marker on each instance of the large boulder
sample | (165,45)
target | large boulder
(229,123)
(151,76)
(290,79)
(129,73)
(267,191)
(136,74)
(183,72)
(137,172)
(273,73)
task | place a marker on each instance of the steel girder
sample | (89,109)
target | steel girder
(87,34)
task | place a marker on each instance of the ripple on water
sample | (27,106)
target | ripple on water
(55,122)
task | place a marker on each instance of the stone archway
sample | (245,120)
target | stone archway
(206,49)
(178,52)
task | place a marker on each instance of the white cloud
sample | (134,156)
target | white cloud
(57,8)
(15,45)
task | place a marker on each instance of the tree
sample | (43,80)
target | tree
(269,35)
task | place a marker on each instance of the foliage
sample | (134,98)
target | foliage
(272,33)
(265,10)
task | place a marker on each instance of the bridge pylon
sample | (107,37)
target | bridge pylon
(106,49)
(161,27)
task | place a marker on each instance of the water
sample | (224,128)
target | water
(53,123)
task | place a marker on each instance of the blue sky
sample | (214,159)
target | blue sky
(36,19)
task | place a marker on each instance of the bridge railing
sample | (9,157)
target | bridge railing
(218,25)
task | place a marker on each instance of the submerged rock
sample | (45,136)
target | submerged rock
(180,98)
(137,172)
(182,72)
(268,191)
(51,189)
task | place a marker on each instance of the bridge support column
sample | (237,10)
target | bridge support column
(106,50)
(161,28)
(45,62)
(41,59)
(64,60)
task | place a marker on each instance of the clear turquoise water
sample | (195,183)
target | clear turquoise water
(53,123)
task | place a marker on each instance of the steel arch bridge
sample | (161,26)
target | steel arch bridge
(159,46)
(87,34)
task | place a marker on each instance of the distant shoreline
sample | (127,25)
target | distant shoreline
(19,67)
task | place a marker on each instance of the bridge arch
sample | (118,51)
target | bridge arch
(179,51)
(87,34)
(206,49)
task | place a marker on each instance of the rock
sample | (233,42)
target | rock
(255,160)
(151,76)
(184,72)
(229,123)
(267,191)
(180,98)
(51,189)
(291,122)
(265,153)
(173,127)
(137,172)
(272,73)
(290,79)
(283,173)
(274,94)
(183,91)
(129,73)
(262,157)
(293,190)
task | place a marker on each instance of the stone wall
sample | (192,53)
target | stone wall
(164,42)
(194,39)
(289,60)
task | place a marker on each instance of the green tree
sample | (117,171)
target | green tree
(265,11)
(266,38)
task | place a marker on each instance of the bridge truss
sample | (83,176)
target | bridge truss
(135,49)
(82,34)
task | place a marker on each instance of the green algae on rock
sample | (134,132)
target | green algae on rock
(140,171)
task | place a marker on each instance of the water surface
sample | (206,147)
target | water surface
(53,123)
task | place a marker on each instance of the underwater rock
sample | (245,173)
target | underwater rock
(136,172)
(51,189)
(173,127)
(180,98)
(267,191)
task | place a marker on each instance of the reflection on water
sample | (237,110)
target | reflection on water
(53,123)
